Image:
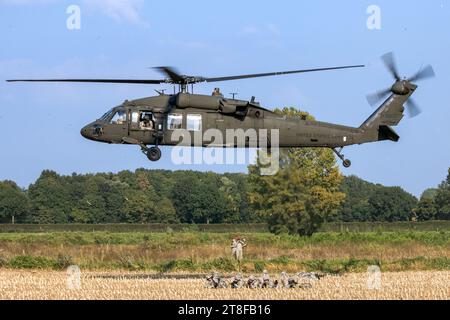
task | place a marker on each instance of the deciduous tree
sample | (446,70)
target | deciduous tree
(304,191)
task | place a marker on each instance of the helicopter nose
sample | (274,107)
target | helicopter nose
(85,132)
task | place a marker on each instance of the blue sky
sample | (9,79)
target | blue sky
(40,123)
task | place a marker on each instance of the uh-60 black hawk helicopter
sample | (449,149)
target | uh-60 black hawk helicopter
(151,121)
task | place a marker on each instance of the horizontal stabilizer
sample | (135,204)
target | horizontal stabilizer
(387,133)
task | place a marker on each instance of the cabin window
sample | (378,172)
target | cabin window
(194,122)
(120,117)
(174,121)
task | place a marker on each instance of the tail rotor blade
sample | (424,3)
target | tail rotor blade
(389,62)
(413,108)
(376,97)
(423,74)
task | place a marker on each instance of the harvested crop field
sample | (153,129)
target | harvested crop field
(127,285)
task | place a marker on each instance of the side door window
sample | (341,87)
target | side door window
(142,120)
(194,122)
(146,121)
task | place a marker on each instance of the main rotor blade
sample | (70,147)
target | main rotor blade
(172,74)
(413,108)
(130,81)
(376,97)
(175,77)
(389,62)
(424,73)
(256,75)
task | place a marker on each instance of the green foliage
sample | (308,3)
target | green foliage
(300,196)
(373,202)
(281,260)
(425,210)
(356,206)
(166,266)
(391,204)
(430,225)
(50,199)
(143,196)
(174,265)
(13,202)
(127,262)
(76,229)
(223,264)
(165,241)
(259,266)
(197,198)
(63,261)
(3,262)
(31,262)
(308,177)
(442,199)
(340,266)
(429,193)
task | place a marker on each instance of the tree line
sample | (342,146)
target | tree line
(146,196)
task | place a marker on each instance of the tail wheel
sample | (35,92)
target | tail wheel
(154,154)
(346,163)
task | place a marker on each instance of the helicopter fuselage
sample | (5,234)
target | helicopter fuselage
(153,121)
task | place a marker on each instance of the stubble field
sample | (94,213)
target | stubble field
(125,285)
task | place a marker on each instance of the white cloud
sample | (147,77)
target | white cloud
(118,10)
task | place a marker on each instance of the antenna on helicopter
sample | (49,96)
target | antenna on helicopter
(233,94)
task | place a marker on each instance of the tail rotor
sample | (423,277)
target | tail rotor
(401,86)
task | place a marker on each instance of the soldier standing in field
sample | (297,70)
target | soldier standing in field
(237,248)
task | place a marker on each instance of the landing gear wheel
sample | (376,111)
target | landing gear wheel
(153,153)
(346,163)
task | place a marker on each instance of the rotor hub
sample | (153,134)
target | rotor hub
(401,87)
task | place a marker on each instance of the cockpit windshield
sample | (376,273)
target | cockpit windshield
(116,115)
(106,115)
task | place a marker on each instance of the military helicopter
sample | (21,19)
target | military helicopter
(151,121)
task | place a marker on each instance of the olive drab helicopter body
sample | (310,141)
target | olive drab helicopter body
(152,121)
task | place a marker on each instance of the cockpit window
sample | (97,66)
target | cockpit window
(106,115)
(120,117)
